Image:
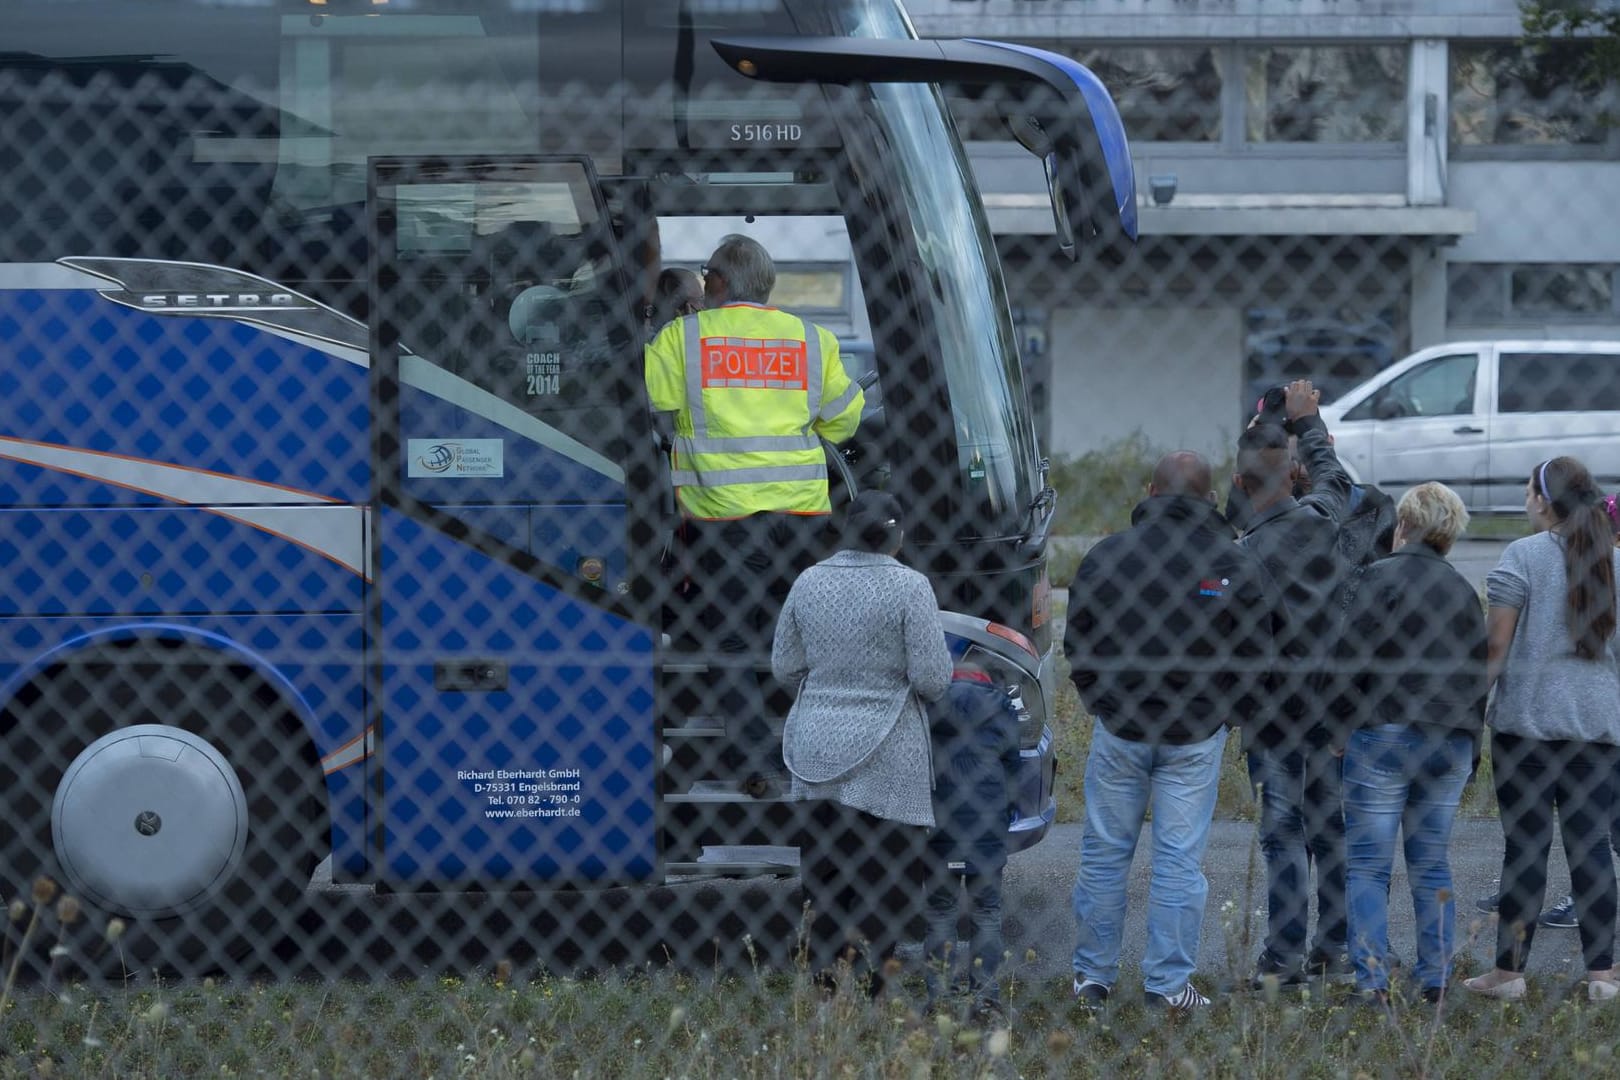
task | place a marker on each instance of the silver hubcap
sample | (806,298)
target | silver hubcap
(149,820)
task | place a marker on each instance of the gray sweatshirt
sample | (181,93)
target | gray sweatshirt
(1545,691)
(860,638)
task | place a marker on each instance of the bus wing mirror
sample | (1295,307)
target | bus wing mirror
(1089,173)
(1071,122)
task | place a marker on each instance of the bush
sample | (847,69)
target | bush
(1097,490)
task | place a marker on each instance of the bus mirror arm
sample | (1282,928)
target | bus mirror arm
(1042,513)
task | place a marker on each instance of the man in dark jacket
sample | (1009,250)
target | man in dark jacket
(1169,640)
(1296,776)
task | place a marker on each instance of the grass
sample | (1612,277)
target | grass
(1497,527)
(768,1024)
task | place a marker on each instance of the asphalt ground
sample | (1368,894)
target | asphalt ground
(1038,919)
(729,924)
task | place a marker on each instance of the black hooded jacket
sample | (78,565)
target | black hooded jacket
(1413,649)
(1171,625)
(1298,542)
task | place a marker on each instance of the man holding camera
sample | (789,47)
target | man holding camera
(1291,761)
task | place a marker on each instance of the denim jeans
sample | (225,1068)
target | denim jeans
(1301,819)
(984,956)
(1123,779)
(1401,778)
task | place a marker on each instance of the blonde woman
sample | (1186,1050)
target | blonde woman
(1411,709)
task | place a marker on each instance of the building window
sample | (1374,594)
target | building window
(1168,93)
(1531,292)
(1335,349)
(1325,93)
(1511,95)
(811,289)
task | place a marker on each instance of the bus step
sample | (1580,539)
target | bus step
(737,860)
(675,873)
(693,820)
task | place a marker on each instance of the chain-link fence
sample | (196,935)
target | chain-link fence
(536,543)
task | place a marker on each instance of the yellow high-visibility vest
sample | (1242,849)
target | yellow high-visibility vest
(752,388)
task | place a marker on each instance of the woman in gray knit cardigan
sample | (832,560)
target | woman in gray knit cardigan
(860,641)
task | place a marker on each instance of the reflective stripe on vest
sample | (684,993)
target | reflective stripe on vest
(759,474)
(755,363)
(838,404)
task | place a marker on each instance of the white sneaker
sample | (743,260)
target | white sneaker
(1185,1000)
(1602,990)
(1506,990)
(1090,994)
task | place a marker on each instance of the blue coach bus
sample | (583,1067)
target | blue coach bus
(331,512)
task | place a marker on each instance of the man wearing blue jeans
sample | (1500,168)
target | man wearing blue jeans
(1169,640)
(1293,768)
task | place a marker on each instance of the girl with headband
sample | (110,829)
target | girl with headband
(1555,719)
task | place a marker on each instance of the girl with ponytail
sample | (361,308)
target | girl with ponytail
(1555,720)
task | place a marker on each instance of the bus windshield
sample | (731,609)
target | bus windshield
(994,438)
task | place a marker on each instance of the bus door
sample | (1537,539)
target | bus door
(512,658)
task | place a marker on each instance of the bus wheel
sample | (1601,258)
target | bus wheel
(174,799)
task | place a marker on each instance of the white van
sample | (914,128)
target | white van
(1480,415)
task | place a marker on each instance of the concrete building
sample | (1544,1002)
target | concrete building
(1339,182)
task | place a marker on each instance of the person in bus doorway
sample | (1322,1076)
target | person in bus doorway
(749,391)
(1169,640)
(1295,773)
(677,292)
(861,645)
(975,751)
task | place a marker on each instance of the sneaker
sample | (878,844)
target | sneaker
(1332,966)
(1434,995)
(1185,1000)
(989,1013)
(1269,968)
(1508,989)
(1561,916)
(1090,994)
(1489,904)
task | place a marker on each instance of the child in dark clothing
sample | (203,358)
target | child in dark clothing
(975,747)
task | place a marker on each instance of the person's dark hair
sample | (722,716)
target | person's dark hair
(1264,462)
(1577,507)
(873,522)
(677,292)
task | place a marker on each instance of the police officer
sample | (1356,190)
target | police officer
(749,390)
